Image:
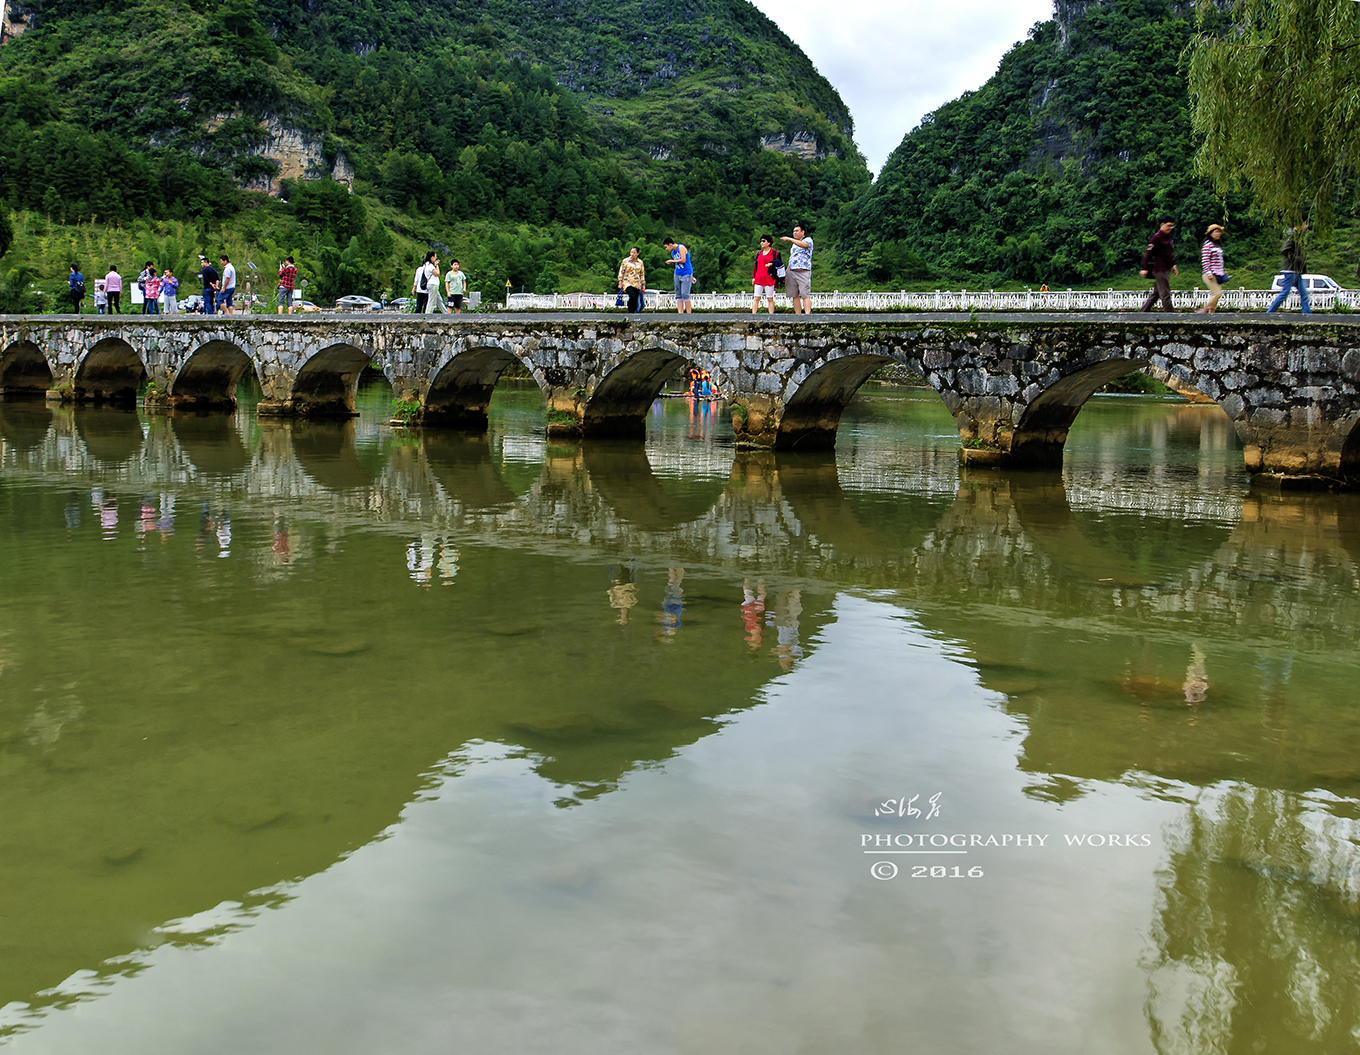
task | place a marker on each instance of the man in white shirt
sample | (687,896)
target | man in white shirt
(228,290)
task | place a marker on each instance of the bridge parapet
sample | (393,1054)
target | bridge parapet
(1014,384)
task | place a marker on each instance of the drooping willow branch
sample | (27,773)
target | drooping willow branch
(1275,100)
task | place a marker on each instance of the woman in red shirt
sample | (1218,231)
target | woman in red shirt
(762,276)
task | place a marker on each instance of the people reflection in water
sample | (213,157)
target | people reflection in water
(146,519)
(281,547)
(701,419)
(1149,688)
(156,514)
(622,592)
(1196,686)
(787,608)
(752,608)
(432,557)
(165,522)
(672,606)
(107,511)
(213,524)
(73,512)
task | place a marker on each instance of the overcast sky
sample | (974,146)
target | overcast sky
(894,61)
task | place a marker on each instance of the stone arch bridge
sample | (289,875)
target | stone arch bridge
(1014,383)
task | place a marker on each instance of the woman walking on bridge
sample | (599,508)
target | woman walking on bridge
(1211,259)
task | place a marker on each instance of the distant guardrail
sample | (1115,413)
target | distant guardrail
(945,300)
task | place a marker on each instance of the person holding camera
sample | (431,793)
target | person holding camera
(287,282)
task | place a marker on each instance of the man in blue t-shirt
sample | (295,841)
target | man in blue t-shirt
(684,274)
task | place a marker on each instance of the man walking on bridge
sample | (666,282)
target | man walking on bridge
(1295,263)
(1159,259)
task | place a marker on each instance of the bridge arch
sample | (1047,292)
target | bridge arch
(1037,439)
(109,372)
(814,402)
(209,375)
(327,383)
(629,382)
(1349,464)
(460,389)
(24,371)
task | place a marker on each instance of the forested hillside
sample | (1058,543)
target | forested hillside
(1058,167)
(603,122)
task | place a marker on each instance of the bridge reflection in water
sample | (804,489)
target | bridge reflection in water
(1191,642)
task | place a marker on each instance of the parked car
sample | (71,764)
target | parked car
(305,305)
(191,304)
(1314,283)
(400,304)
(355,302)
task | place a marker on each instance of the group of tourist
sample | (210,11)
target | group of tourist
(158,290)
(700,383)
(1159,263)
(769,270)
(425,287)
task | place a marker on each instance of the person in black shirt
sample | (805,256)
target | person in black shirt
(1159,261)
(210,279)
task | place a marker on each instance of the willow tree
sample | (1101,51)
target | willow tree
(1275,96)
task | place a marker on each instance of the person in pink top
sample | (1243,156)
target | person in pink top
(113,289)
(150,281)
(763,275)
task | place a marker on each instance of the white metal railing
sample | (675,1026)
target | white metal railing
(944,300)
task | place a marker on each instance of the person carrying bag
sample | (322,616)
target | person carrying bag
(764,276)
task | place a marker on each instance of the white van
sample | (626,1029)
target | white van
(1313,283)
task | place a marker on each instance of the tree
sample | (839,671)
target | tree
(1276,100)
(6,230)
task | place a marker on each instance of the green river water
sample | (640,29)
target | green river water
(326,738)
